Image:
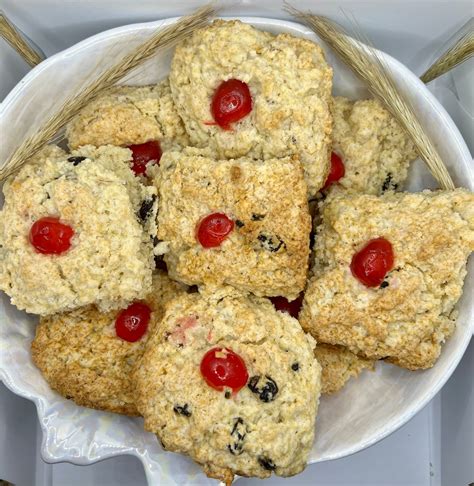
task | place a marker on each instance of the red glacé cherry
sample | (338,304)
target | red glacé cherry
(221,367)
(336,172)
(144,154)
(214,229)
(231,102)
(50,236)
(132,323)
(290,307)
(371,264)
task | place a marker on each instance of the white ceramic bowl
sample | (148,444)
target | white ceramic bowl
(365,411)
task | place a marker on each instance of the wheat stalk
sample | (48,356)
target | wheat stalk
(71,107)
(461,51)
(9,32)
(367,64)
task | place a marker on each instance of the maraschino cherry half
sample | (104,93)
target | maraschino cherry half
(371,264)
(50,236)
(144,154)
(231,102)
(214,229)
(222,368)
(336,172)
(132,323)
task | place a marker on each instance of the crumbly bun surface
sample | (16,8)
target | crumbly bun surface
(82,358)
(248,433)
(267,251)
(110,261)
(290,83)
(338,366)
(375,150)
(408,318)
(129,115)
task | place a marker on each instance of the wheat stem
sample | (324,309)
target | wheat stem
(461,51)
(15,38)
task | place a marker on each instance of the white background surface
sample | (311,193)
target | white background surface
(437,446)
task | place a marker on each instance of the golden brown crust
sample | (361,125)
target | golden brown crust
(81,357)
(224,475)
(266,253)
(432,234)
(129,115)
(338,366)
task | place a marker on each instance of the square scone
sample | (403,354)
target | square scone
(129,115)
(371,148)
(231,382)
(73,232)
(88,356)
(244,92)
(239,222)
(388,273)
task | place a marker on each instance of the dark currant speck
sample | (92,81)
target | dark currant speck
(146,207)
(238,421)
(266,463)
(388,184)
(227,394)
(384,284)
(295,366)
(257,217)
(182,410)
(267,391)
(76,160)
(270,242)
(235,448)
(238,433)
(239,223)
